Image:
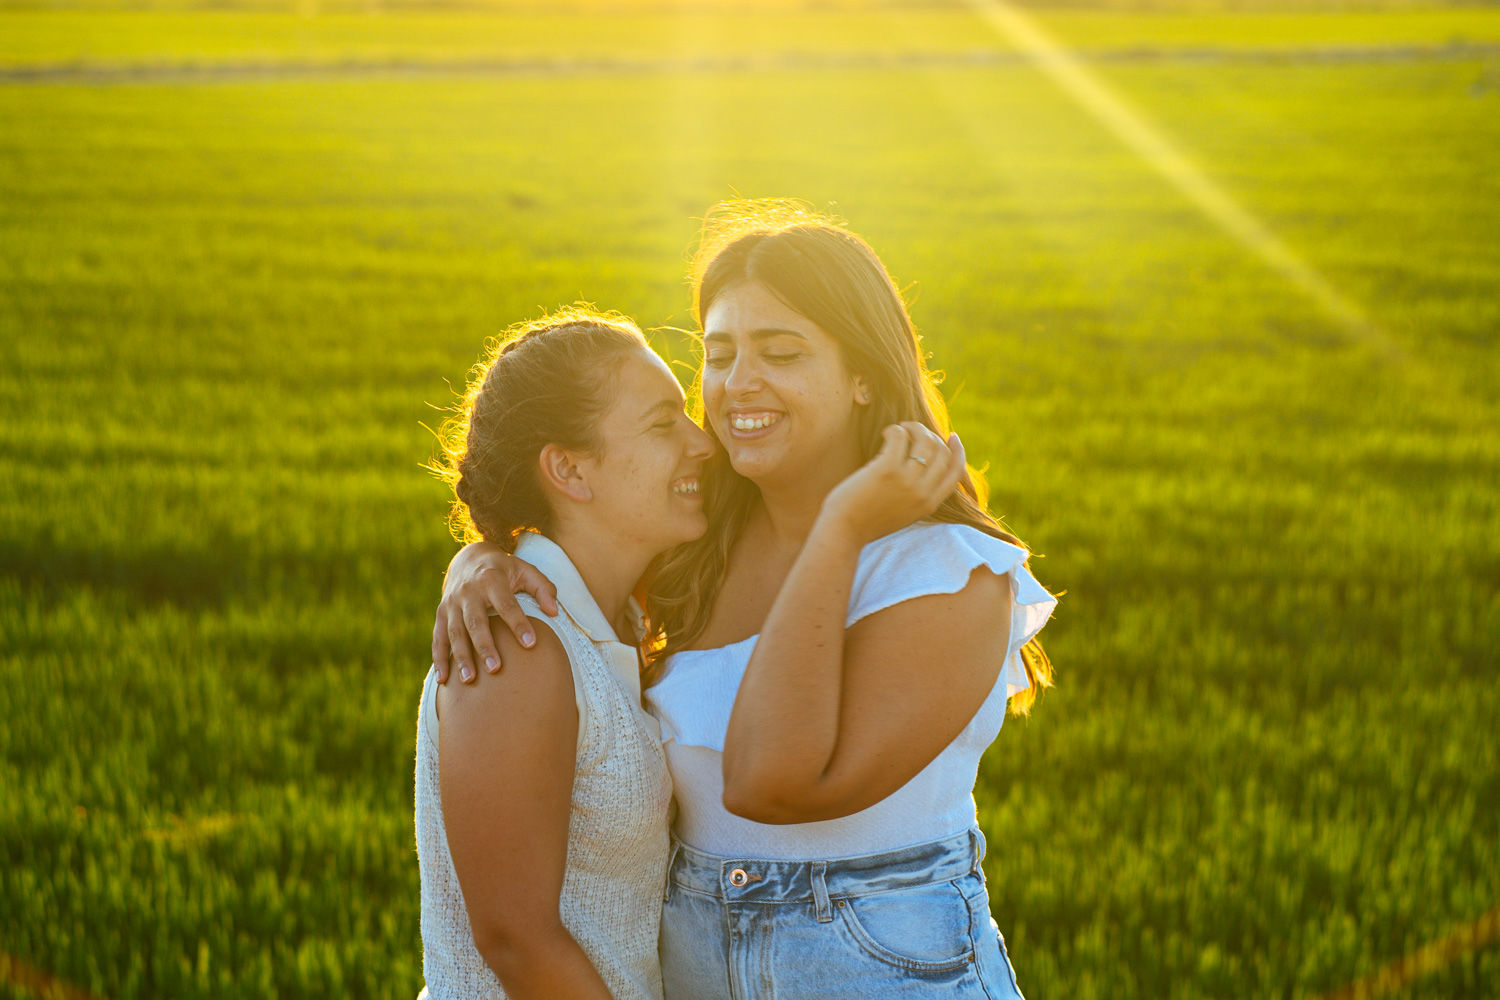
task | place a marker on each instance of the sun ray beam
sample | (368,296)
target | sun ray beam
(1163,156)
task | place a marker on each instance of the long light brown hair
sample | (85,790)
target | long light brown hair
(829,275)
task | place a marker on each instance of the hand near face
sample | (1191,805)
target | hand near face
(908,479)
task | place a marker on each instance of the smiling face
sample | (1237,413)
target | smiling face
(777,392)
(643,480)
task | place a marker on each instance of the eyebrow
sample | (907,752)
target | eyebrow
(765,333)
(664,405)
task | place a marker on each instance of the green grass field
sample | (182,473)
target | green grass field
(229,305)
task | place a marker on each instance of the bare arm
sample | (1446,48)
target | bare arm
(507,749)
(829,722)
(483,577)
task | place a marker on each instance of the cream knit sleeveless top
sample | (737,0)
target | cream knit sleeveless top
(617,836)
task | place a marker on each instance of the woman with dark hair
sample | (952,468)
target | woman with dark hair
(542,838)
(827,674)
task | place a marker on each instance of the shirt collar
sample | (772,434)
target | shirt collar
(574,599)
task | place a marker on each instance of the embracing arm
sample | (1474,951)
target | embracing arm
(829,722)
(484,577)
(508,749)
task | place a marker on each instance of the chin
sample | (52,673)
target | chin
(753,463)
(696,532)
(766,469)
(686,529)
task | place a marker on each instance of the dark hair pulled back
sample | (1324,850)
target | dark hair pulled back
(544,381)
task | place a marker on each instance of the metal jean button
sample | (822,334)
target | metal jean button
(738,877)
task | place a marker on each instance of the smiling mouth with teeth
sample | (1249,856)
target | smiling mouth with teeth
(753,423)
(688,487)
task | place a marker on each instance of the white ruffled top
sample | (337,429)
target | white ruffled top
(695,695)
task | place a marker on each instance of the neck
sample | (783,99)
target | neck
(610,569)
(792,507)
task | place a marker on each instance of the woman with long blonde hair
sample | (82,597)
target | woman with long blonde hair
(832,658)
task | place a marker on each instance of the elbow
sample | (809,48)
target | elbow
(745,804)
(765,802)
(751,796)
(499,945)
(763,792)
(512,947)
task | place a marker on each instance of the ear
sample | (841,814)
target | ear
(560,471)
(861,390)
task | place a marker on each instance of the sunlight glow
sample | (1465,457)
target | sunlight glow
(1166,159)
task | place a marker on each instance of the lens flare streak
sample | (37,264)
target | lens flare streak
(1159,152)
(1427,959)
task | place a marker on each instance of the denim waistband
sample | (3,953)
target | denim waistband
(752,880)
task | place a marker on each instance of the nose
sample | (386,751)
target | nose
(743,375)
(699,446)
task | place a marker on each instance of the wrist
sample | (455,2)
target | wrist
(840,526)
(474,556)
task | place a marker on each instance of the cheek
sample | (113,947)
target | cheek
(628,473)
(713,386)
(713,397)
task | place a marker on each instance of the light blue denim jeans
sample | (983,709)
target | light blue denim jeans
(908,923)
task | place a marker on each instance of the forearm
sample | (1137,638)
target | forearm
(783,732)
(543,965)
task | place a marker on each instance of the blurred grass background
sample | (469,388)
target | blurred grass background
(245,249)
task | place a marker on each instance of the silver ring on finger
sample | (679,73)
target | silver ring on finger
(918,459)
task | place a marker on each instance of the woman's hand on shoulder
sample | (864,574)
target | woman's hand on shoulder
(909,478)
(484,578)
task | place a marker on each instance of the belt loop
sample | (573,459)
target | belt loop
(666,895)
(977,845)
(820,892)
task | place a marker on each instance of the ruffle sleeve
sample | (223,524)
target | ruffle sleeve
(929,558)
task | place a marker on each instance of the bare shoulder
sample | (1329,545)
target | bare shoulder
(534,682)
(985,595)
(936,629)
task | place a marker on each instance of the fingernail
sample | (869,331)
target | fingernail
(528,640)
(467,673)
(492,664)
